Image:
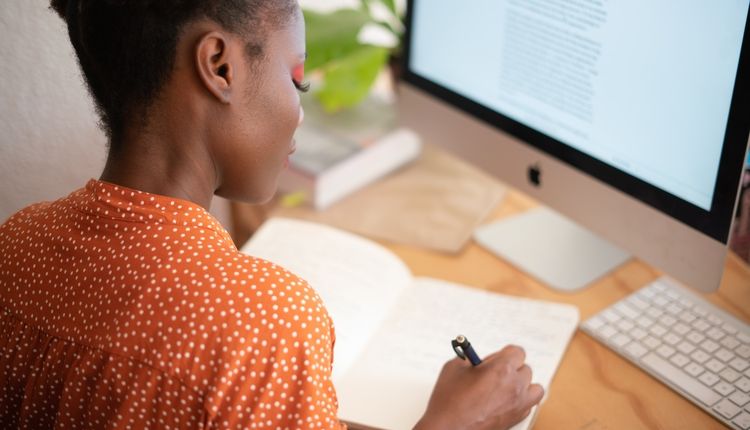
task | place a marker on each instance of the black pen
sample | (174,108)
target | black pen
(463,350)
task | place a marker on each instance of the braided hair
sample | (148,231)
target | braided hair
(127,48)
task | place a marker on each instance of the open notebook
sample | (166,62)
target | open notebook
(393,331)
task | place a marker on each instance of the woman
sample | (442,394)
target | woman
(126,305)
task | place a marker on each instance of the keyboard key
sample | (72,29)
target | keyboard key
(744,337)
(715,365)
(635,349)
(727,409)
(681,329)
(687,317)
(695,337)
(729,328)
(654,313)
(620,340)
(686,303)
(646,293)
(742,420)
(699,356)
(686,347)
(709,346)
(660,301)
(672,339)
(607,331)
(625,325)
(715,333)
(657,330)
(729,375)
(743,351)
(739,398)
(667,320)
(743,384)
(694,369)
(595,323)
(739,364)
(627,310)
(700,311)
(674,309)
(679,360)
(724,388)
(651,342)
(637,303)
(724,355)
(665,351)
(610,316)
(730,342)
(681,379)
(700,324)
(644,322)
(713,319)
(638,333)
(709,379)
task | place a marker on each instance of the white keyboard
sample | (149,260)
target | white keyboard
(694,347)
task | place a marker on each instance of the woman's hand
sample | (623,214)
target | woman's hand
(496,394)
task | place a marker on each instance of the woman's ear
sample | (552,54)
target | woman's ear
(214,65)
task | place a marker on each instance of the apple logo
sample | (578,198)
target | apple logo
(535,175)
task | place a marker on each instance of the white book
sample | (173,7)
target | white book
(393,330)
(340,153)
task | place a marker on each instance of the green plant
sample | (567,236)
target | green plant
(347,65)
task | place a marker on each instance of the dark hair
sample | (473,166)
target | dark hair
(126,48)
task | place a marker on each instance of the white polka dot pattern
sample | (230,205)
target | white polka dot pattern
(121,309)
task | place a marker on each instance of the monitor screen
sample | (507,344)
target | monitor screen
(636,93)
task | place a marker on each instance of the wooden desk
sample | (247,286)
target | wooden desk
(594,388)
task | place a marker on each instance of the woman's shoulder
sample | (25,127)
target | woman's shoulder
(40,215)
(34,211)
(24,215)
(258,277)
(232,281)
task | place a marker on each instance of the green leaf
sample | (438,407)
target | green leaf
(331,36)
(348,80)
(391,4)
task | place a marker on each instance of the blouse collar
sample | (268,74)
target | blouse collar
(113,201)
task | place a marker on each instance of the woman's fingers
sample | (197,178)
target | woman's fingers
(514,355)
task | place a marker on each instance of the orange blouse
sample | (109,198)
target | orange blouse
(121,309)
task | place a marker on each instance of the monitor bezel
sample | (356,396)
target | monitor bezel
(715,223)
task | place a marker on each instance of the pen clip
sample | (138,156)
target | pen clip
(458,345)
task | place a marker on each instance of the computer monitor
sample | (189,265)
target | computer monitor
(629,117)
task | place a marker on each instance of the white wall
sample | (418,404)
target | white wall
(50,144)
(49,140)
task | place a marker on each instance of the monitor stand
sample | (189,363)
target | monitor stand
(551,248)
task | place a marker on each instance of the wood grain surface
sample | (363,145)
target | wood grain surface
(594,388)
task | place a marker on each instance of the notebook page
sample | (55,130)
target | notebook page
(358,280)
(389,385)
